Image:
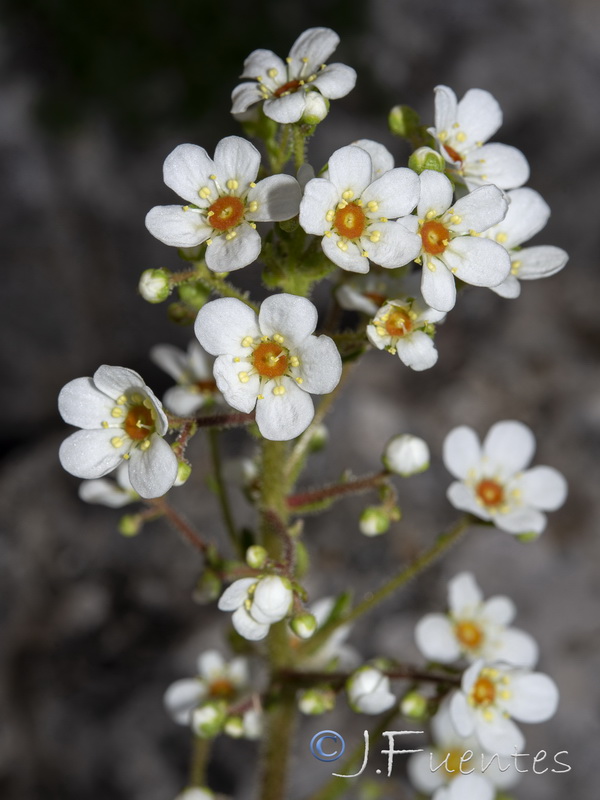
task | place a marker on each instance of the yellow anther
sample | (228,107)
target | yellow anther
(260,397)
(185,208)
(209,242)
(328,234)
(237,360)
(456,125)
(105,424)
(358,203)
(455,220)
(145,444)
(121,400)
(259,78)
(431,266)
(375,236)
(380,330)
(278,338)
(116,441)
(484,177)
(364,253)
(213,177)
(505,694)
(418,260)
(252,225)
(264,338)
(421,221)
(412,314)
(253,206)
(442,136)
(272,73)
(372,205)
(383,219)
(243,377)
(279,390)
(445,242)
(247,341)
(342,245)
(294,361)
(473,233)
(479,144)
(461,137)
(137,398)
(252,185)
(299,380)
(204,192)
(392,350)
(210,214)
(488,715)
(430,214)
(453,270)
(305,60)
(516,266)
(288,60)
(230,235)
(329,216)
(342,204)
(232,184)
(501,237)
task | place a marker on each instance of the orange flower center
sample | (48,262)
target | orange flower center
(376,298)
(453,154)
(469,634)
(222,689)
(139,423)
(490,492)
(226,212)
(435,237)
(350,221)
(398,323)
(270,360)
(287,88)
(483,692)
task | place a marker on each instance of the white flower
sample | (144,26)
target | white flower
(257,603)
(367,293)
(223,202)
(121,419)
(352,210)
(406,455)
(462,130)
(475,629)
(403,326)
(449,242)
(285,87)
(448,748)
(108,492)
(271,361)
(369,691)
(492,483)
(217,680)
(490,696)
(527,214)
(193,372)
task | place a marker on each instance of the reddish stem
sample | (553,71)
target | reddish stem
(335,490)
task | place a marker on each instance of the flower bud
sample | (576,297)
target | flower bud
(154,285)
(406,455)
(319,438)
(208,587)
(404,121)
(234,727)
(184,470)
(374,520)
(316,108)
(369,691)
(426,158)
(256,556)
(316,701)
(194,294)
(304,625)
(209,719)
(414,706)
(130,525)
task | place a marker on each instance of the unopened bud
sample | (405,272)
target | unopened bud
(208,588)
(426,158)
(234,727)
(316,108)
(130,525)
(154,285)
(304,625)
(256,556)
(414,706)
(406,455)
(209,719)
(404,121)
(319,438)
(316,701)
(194,294)
(184,470)
(374,520)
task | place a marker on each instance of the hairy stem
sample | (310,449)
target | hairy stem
(335,491)
(212,280)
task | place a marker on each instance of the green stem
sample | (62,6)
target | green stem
(200,755)
(221,487)
(299,148)
(212,281)
(280,729)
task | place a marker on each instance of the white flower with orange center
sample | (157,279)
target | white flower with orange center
(527,214)
(491,695)
(448,237)
(353,210)
(196,387)
(257,604)
(367,293)
(223,202)
(493,482)
(121,419)
(405,327)
(284,87)
(462,129)
(474,629)
(271,361)
(217,679)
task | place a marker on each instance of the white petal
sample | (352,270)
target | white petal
(500,164)
(182,697)
(381,158)
(376,340)
(540,262)
(462,451)
(160,418)
(89,454)
(287,109)
(435,638)
(396,193)
(283,417)
(471,787)
(375,703)
(291,316)
(260,62)
(350,169)
(421,776)
(152,472)
(463,498)
(521,520)
(436,194)
(243,96)
(437,286)
(527,214)
(350,259)
(479,210)
(271,600)
(248,627)
(479,262)
(211,665)
(320,196)
(544,488)
(200,365)
(320,365)
(105,493)
(171,360)
(235,595)
(445,108)
(278,198)
(464,595)
(517,648)
(510,445)
(510,288)
(470,676)
(534,698)
(461,714)
(315,45)
(226,255)
(183,400)
(222,324)
(500,735)
(186,171)
(335,81)
(236,159)
(115,381)
(82,404)
(237,670)
(499,609)
(417,351)
(479,115)
(396,246)
(351,299)
(241,396)
(175,227)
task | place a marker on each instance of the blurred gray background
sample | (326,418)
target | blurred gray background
(92,98)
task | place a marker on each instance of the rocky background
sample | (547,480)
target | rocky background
(92,98)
